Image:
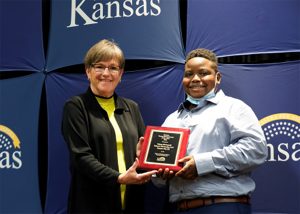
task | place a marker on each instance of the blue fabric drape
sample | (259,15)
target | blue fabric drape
(242,27)
(19,117)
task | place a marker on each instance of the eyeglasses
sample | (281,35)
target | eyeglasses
(101,68)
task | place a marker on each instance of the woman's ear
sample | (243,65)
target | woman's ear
(88,71)
(121,73)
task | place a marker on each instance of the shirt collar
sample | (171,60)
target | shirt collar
(119,101)
(215,100)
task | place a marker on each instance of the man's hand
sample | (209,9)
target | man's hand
(189,171)
(165,174)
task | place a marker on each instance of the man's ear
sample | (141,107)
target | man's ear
(218,78)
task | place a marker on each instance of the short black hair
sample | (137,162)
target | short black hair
(205,53)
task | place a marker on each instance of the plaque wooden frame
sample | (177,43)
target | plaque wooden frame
(163,147)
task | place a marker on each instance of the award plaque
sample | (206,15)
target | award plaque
(163,147)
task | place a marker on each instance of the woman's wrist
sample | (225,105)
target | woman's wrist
(121,178)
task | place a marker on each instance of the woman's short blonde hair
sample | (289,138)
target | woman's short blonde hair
(104,50)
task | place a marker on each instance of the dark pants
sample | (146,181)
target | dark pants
(221,208)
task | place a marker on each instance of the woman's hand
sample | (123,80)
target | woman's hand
(132,177)
(139,146)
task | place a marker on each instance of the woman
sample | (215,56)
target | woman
(102,130)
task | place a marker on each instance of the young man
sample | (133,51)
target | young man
(226,143)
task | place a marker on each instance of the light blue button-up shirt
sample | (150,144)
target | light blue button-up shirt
(227,143)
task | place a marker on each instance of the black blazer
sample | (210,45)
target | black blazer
(93,154)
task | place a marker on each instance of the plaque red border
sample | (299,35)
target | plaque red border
(181,150)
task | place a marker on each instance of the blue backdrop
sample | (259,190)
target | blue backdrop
(59,88)
(234,27)
(158,91)
(145,30)
(273,91)
(21,40)
(19,117)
